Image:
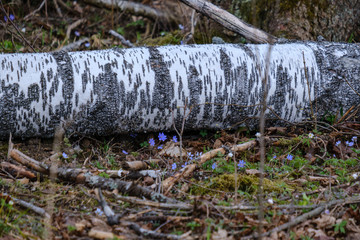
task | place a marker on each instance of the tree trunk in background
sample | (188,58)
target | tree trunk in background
(117,91)
(335,20)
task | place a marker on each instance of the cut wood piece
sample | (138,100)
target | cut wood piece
(116,91)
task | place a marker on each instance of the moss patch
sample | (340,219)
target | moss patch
(246,183)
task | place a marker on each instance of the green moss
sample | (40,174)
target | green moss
(246,183)
(172,38)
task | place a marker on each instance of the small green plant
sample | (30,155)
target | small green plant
(120,30)
(8,46)
(177,232)
(111,161)
(193,225)
(203,133)
(71,228)
(305,201)
(144,144)
(136,23)
(217,135)
(67,142)
(104,175)
(9,217)
(99,165)
(340,227)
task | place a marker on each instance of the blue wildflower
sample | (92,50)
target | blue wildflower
(198,154)
(350,144)
(77,33)
(162,137)
(160,147)
(175,139)
(181,27)
(290,157)
(65,155)
(152,142)
(125,152)
(184,165)
(190,155)
(241,164)
(99,212)
(337,143)
(173,166)
(354,139)
(274,157)
(11,16)
(87,44)
(213,166)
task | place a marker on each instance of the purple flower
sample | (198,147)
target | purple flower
(198,154)
(77,33)
(12,18)
(213,166)
(162,137)
(99,212)
(184,165)
(354,139)
(152,142)
(337,143)
(125,152)
(65,155)
(290,157)
(190,155)
(241,164)
(274,157)
(181,42)
(181,27)
(87,44)
(173,166)
(160,147)
(350,144)
(175,139)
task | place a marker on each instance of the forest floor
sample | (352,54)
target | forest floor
(311,172)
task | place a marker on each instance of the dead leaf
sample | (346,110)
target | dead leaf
(217,144)
(324,221)
(98,234)
(221,234)
(171,149)
(253,172)
(148,181)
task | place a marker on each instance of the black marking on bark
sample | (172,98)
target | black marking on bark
(195,89)
(43,91)
(163,91)
(65,70)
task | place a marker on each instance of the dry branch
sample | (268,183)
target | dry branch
(168,183)
(306,216)
(135,9)
(83,176)
(230,21)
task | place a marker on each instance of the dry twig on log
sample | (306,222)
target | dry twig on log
(230,21)
(135,9)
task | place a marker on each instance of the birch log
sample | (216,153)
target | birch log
(136,90)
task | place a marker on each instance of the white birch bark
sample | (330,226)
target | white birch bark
(117,91)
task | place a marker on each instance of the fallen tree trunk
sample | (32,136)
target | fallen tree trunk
(116,91)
